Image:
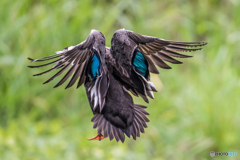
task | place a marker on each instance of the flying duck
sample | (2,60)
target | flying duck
(108,73)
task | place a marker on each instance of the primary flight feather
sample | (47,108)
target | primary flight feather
(138,55)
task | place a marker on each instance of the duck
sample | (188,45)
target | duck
(114,112)
(110,73)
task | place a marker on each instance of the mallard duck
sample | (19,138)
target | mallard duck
(108,73)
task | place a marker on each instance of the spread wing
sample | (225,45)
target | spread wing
(75,57)
(138,55)
(158,51)
(82,61)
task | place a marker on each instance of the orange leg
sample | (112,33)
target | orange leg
(97,137)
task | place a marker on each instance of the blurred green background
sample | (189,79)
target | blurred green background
(197,108)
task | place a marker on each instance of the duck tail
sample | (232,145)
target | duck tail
(107,129)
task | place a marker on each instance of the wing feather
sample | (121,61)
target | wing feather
(68,74)
(76,75)
(149,46)
(167,58)
(76,56)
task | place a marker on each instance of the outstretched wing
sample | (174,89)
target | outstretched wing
(82,61)
(139,55)
(75,57)
(158,51)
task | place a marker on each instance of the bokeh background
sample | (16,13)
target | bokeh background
(197,108)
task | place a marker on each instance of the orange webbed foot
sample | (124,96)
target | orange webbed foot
(97,137)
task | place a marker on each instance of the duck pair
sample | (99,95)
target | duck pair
(109,73)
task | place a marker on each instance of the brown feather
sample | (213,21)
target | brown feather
(115,134)
(58,73)
(105,128)
(171,48)
(46,64)
(159,62)
(174,54)
(68,74)
(76,75)
(95,117)
(110,131)
(167,58)
(151,65)
(43,72)
(139,124)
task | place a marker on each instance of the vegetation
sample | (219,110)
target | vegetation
(197,108)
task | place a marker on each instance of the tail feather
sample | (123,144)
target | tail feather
(109,130)
(136,128)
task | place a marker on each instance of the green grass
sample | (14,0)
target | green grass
(195,111)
